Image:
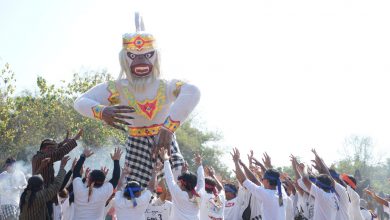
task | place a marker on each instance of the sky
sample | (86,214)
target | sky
(278,76)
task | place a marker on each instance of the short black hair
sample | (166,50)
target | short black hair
(189,179)
(210,181)
(98,177)
(9,161)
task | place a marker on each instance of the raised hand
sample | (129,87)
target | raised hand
(198,159)
(74,162)
(126,170)
(115,115)
(164,154)
(236,155)
(267,161)
(164,141)
(87,171)
(78,135)
(250,157)
(117,154)
(64,161)
(158,166)
(87,152)
(210,171)
(104,170)
(184,168)
(44,163)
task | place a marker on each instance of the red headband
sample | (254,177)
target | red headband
(348,180)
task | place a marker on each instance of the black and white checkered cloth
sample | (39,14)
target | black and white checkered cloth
(8,211)
(138,157)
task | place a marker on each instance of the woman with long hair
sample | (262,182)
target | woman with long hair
(34,198)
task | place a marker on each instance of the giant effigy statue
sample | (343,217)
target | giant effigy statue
(150,108)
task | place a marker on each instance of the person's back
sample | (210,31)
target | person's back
(125,208)
(94,208)
(34,198)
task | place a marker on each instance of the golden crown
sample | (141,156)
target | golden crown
(138,41)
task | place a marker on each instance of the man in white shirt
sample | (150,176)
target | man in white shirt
(12,182)
(326,203)
(271,195)
(213,199)
(160,208)
(354,209)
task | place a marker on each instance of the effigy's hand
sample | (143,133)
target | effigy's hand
(164,141)
(115,116)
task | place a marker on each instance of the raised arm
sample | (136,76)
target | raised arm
(249,174)
(76,171)
(377,198)
(54,187)
(153,180)
(200,184)
(117,170)
(211,173)
(171,183)
(239,173)
(64,148)
(302,173)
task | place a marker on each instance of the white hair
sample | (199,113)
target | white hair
(138,83)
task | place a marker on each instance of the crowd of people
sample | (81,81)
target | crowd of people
(314,192)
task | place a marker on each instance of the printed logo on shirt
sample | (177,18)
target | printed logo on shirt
(229,204)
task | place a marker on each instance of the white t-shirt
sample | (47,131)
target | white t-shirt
(67,209)
(271,209)
(366,214)
(94,209)
(386,208)
(11,186)
(326,204)
(184,208)
(124,207)
(210,207)
(289,208)
(159,210)
(354,209)
(306,205)
(343,213)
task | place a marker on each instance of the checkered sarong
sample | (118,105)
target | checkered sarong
(138,156)
(8,211)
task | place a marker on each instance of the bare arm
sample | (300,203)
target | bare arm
(377,199)
(239,173)
(248,173)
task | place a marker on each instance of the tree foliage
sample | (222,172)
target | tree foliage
(28,118)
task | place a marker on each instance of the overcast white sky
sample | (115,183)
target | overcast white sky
(278,76)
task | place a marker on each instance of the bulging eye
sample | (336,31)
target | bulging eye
(149,55)
(131,55)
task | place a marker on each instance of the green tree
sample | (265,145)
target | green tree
(28,118)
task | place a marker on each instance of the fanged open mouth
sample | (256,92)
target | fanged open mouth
(141,70)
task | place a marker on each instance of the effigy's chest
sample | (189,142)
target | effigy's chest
(148,107)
